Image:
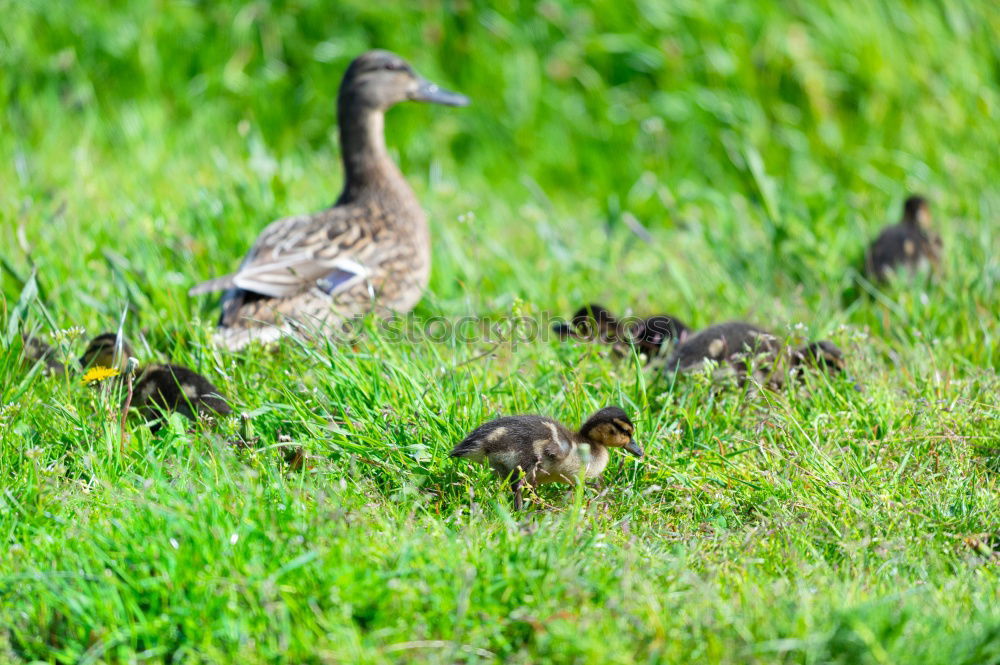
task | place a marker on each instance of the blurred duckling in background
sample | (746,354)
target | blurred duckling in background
(541,450)
(720,342)
(654,332)
(591,322)
(107,350)
(910,244)
(740,346)
(36,351)
(595,322)
(165,387)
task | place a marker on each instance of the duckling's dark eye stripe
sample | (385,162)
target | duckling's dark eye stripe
(626,428)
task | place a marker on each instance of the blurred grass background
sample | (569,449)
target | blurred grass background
(774,140)
(143,145)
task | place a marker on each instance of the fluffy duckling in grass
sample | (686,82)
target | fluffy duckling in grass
(654,332)
(106,350)
(595,322)
(909,244)
(158,387)
(590,322)
(540,450)
(741,346)
(37,351)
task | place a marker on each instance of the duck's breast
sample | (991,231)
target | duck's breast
(598,461)
(583,458)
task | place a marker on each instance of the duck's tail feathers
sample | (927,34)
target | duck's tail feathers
(234,339)
(217,284)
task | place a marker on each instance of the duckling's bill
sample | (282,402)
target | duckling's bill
(634,448)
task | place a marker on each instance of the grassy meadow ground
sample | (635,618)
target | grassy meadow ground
(142,147)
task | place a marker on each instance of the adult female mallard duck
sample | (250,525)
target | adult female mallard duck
(541,450)
(158,387)
(910,243)
(743,348)
(369,252)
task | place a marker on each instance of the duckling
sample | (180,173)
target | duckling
(823,354)
(165,387)
(721,342)
(369,252)
(543,450)
(590,322)
(107,350)
(736,343)
(35,351)
(653,333)
(596,322)
(910,243)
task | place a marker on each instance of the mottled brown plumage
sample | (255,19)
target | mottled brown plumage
(541,450)
(909,244)
(596,323)
(158,387)
(370,252)
(737,347)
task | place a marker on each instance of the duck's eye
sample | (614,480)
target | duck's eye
(394,66)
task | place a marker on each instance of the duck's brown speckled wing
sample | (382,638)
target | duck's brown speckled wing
(338,263)
(511,442)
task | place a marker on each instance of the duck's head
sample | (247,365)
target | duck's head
(592,312)
(589,321)
(611,427)
(106,350)
(379,79)
(823,354)
(917,212)
(654,331)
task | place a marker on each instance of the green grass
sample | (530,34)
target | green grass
(142,147)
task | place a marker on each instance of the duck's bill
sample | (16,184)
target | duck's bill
(435,94)
(634,448)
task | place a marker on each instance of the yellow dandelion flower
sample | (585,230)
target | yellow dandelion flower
(99,373)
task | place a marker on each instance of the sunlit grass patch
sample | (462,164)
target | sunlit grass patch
(711,160)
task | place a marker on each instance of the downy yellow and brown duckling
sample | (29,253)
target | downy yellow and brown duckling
(595,322)
(540,450)
(369,252)
(738,346)
(909,244)
(158,387)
